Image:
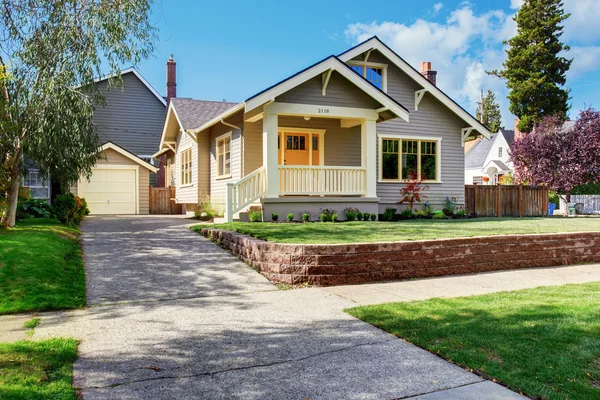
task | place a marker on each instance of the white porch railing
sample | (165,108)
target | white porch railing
(315,180)
(245,192)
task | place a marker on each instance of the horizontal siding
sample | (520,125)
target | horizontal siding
(340,92)
(132,117)
(187,194)
(203,165)
(432,119)
(218,186)
(252,146)
(144,205)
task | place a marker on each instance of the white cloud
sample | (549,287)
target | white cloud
(461,49)
(437,7)
(516,4)
(585,59)
(582,26)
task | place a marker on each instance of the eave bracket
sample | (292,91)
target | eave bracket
(418,97)
(465,132)
(325,78)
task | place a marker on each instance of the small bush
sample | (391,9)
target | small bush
(350,213)
(203,215)
(335,217)
(255,215)
(373,217)
(274,217)
(406,214)
(70,209)
(327,213)
(388,214)
(461,213)
(366,216)
(33,208)
(207,206)
(421,214)
(359,216)
(305,217)
(439,214)
(554,198)
(290,217)
(323,217)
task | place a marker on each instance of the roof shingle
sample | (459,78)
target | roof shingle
(195,113)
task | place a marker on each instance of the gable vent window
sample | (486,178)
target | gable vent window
(374,73)
(499,151)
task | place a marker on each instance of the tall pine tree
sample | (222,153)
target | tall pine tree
(488,112)
(534,71)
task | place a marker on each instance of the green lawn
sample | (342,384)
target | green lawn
(361,232)
(40,267)
(544,342)
(37,370)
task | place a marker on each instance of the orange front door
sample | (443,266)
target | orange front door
(296,149)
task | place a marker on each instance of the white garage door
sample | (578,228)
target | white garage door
(110,191)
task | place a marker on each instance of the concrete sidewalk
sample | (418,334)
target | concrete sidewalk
(465,285)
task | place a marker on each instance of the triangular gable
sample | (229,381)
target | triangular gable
(375,44)
(331,63)
(141,79)
(131,156)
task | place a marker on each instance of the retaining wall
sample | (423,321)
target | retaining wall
(326,265)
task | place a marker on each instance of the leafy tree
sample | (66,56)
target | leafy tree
(563,158)
(412,192)
(50,53)
(535,73)
(488,112)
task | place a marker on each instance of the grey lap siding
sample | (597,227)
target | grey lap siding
(340,92)
(433,119)
(132,118)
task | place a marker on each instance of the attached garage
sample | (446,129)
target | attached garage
(119,183)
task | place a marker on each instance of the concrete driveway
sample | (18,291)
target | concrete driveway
(175,316)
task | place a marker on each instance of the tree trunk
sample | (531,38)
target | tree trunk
(13,191)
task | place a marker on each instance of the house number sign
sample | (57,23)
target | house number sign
(323,110)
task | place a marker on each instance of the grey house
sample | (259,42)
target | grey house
(129,128)
(348,131)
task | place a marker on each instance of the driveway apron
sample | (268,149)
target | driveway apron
(175,316)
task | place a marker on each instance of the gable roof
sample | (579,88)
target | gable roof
(194,113)
(509,136)
(131,156)
(376,43)
(140,77)
(479,152)
(329,63)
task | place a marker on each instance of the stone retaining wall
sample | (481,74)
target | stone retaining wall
(339,264)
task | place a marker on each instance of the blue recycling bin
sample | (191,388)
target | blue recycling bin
(551,208)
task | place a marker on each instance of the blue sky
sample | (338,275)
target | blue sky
(231,50)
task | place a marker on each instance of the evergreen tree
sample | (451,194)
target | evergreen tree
(534,71)
(488,112)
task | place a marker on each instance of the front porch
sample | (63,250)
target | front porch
(311,155)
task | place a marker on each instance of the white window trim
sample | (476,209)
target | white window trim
(365,65)
(217,140)
(500,152)
(380,138)
(47,186)
(179,167)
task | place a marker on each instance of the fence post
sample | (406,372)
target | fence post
(499,206)
(150,190)
(475,198)
(521,200)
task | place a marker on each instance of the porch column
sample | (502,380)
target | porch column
(270,161)
(368,138)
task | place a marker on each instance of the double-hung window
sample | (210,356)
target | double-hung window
(224,157)
(186,167)
(374,73)
(408,159)
(38,188)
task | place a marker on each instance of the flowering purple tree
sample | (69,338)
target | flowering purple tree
(562,157)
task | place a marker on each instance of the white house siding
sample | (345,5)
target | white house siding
(187,194)
(433,119)
(218,187)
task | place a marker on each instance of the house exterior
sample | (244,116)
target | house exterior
(489,158)
(129,128)
(348,131)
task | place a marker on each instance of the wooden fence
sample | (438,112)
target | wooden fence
(507,200)
(162,201)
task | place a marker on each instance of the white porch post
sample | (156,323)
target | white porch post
(368,138)
(270,134)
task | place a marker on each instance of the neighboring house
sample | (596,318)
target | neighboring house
(348,131)
(489,158)
(129,128)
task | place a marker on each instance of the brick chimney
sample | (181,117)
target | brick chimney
(518,133)
(171,79)
(428,73)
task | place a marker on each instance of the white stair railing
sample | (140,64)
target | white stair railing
(245,192)
(319,180)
